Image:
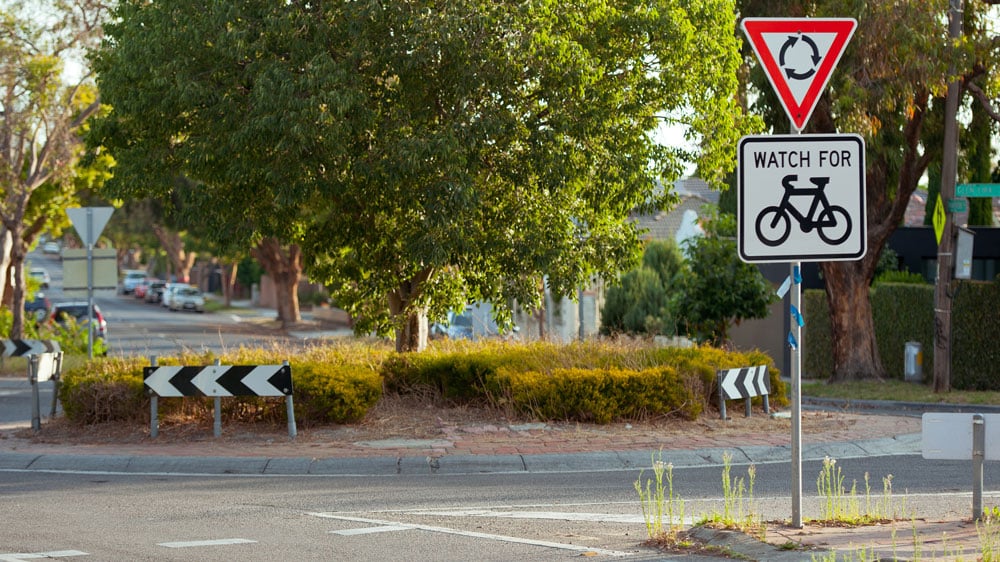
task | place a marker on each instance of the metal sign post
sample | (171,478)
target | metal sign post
(89,222)
(776,173)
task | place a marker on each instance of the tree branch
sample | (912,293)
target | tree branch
(980,95)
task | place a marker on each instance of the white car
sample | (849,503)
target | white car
(42,275)
(168,292)
(187,298)
(51,248)
(132,278)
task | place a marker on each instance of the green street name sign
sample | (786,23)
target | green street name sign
(977,190)
(957,205)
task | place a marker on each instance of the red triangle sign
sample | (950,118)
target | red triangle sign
(799,56)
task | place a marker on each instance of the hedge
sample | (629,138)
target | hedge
(595,381)
(905,312)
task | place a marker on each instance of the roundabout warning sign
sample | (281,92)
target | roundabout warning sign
(801,198)
(799,55)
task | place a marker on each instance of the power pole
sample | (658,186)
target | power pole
(945,256)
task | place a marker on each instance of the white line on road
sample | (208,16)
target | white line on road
(370,530)
(472,534)
(18,556)
(217,542)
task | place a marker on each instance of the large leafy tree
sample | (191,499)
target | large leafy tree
(883,87)
(422,153)
(42,110)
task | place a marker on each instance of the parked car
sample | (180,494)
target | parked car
(77,310)
(168,292)
(130,279)
(38,307)
(142,288)
(42,275)
(51,248)
(187,298)
(154,292)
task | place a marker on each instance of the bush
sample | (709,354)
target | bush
(335,393)
(601,395)
(104,390)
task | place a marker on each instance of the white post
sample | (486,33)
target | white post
(290,410)
(154,414)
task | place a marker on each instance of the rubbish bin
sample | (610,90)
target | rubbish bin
(913,362)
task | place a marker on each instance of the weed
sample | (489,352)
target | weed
(844,506)
(657,499)
(738,500)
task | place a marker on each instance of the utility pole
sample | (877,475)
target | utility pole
(945,257)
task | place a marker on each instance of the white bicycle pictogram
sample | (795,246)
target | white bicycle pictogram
(831,222)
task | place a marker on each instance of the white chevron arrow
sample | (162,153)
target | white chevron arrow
(159,381)
(206,380)
(256,380)
(729,388)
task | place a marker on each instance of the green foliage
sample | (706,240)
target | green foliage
(472,152)
(817,361)
(71,336)
(719,288)
(335,393)
(602,395)
(905,312)
(104,390)
(906,277)
(975,355)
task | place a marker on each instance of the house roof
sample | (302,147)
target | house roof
(663,225)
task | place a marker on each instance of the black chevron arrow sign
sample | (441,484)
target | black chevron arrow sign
(219,380)
(18,348)
(744,383)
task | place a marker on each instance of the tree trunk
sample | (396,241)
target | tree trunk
(173,245)
(6,243)
(229,281)
(852,331)
(284,266)
(411,320)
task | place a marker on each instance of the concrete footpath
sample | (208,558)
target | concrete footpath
(931,533)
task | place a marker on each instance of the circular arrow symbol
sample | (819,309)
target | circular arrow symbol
(789,44)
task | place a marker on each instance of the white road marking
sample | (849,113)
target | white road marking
(217,542)
(472,534)
(554,515)
(17,556)
(370,530)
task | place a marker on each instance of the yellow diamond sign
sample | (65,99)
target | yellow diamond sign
(939,218)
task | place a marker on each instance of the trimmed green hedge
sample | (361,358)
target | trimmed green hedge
(905,312)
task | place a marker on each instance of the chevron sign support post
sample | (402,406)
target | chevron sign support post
(19,348)
(745,382)
(218,381)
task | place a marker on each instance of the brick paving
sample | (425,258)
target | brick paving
(457,438)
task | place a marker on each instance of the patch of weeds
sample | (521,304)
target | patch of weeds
(658,501)
(843,506)
(738,509)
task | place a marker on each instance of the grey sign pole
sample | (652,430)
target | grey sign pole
(90,283)
(89,222)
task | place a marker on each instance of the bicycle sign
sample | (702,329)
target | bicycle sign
(801,198)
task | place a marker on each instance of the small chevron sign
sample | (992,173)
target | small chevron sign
(219,380)
(744,383)
(18,348)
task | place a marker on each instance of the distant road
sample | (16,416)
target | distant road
(138,328)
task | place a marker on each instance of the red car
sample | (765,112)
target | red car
(143,287)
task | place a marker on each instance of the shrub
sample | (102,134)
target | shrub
(600,395)
(335,393)
(104,390)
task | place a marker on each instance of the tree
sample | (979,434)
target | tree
(882,89)
(423,154)
(719,289)
(643,302)
(41,112)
